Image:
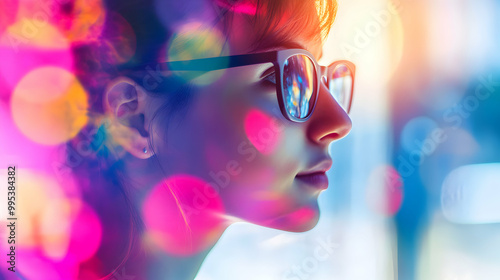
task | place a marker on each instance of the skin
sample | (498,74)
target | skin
(233,136)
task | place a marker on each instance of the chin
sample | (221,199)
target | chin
(303,227)
(301,220)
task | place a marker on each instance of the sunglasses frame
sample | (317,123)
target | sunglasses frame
(279,63)
(278,58)
(352,68)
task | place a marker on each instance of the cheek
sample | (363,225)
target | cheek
(249,140)
(263,131)
(241,144)
(256,167)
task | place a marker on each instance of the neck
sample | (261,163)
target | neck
(152,260)
(177,233)
(167,266)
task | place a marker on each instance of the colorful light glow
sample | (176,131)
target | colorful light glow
(30,32)
(384,193)
(58,231)
(261,131)
(55,119)
(416,132)
(301,219)
(194,40)
(84,22)
(118,42)
(39,190)
(304,215)
(36,267)
(78,20)
(55,224)
(245,8)
(26,46)
(86,234)
(8,11)
(17,148)
(182,214)
(242,7)
(469,194)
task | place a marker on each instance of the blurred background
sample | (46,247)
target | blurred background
(415,187)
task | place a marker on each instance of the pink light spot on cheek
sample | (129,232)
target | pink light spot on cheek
(181,214)
(262,132)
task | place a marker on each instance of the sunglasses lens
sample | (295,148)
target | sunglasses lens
(299,84)
(340,85)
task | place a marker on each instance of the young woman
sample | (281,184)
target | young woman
(220,114)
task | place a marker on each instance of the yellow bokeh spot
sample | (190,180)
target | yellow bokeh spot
(49,106)
(194,40)
(47,214)
(55,226)
(30,32)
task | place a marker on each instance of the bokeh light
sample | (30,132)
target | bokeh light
(80,20)
(459,142)
(36,267)
(118,41)
(58,232)
(173,14)
(372,36)
(195,40)
(86,234)
(469,194)
(181,214)
(384,193)
(8,12)
(416,133)
(49,105)
(15,147)
(25,46)
(262,132)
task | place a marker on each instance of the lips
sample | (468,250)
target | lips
(317,180)
(315,176)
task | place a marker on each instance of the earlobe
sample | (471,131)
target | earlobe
(125,103)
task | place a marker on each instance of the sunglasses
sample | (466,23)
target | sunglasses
(298,77)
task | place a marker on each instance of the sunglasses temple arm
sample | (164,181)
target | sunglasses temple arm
(218,63)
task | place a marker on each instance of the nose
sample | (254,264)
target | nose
(328,122)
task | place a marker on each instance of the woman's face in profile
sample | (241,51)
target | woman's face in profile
(250,162)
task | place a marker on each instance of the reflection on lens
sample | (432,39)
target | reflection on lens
(340,85)
(299,82)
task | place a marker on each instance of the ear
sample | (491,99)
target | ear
(125,103)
